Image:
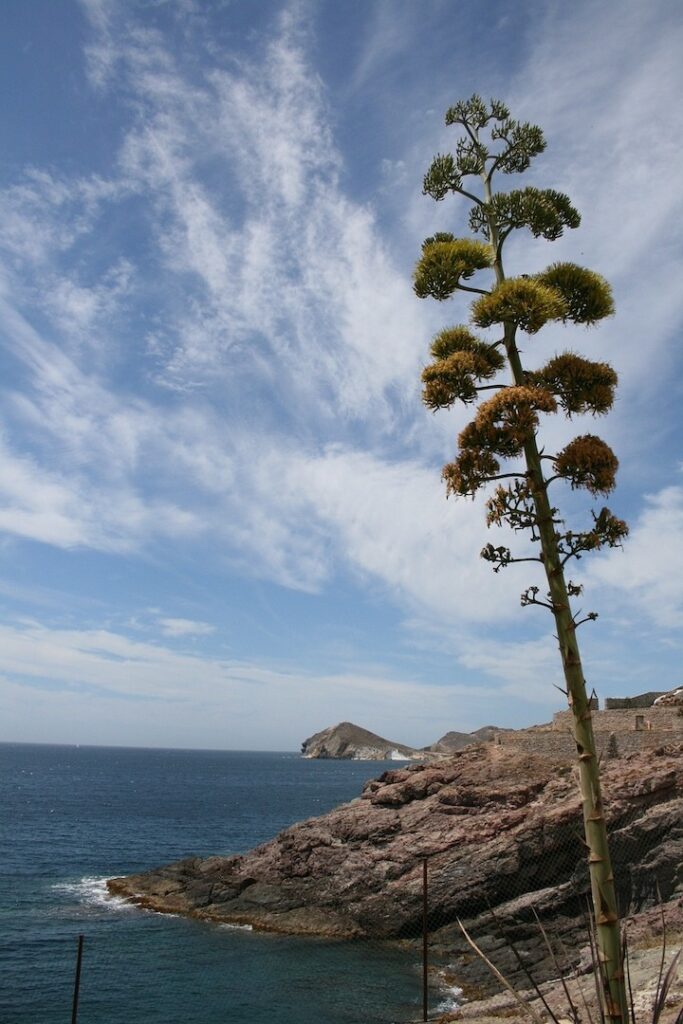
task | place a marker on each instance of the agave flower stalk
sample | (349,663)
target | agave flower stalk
(505,426)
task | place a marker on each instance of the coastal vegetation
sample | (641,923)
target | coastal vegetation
(499,450)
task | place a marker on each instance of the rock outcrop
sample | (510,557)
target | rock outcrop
(453,741)
(502,831)
(672,699)
(349,742)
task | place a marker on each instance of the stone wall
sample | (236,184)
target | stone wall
(633,728)
(643,700)
(556,744)
(627,720)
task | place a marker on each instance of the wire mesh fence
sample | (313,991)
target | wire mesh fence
(518,884)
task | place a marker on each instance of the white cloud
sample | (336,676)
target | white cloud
(95,682)
(78,491)
(68,512)
(39,505)
(272,304)
(391,522)
(294,276)
(44,215)
(648,573)
(185,627)
(80,309)
(526,670)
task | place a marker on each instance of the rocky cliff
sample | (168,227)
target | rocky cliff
(350,742)
(453,741)
(502,831)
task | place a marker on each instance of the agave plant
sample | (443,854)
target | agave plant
(500,447)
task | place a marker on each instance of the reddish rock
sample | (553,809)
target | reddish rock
(502,830)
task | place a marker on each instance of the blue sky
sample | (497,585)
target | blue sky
(221,516)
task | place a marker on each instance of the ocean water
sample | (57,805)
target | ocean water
(72,816)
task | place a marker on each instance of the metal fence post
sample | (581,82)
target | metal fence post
(425,912)
(77,981)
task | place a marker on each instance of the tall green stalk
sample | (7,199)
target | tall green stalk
(506,425)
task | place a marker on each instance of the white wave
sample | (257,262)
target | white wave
(237,927)
(93,892)
(453,999)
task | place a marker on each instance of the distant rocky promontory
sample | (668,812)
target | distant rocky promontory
(350,742)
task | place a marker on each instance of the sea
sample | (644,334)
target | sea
(73,816)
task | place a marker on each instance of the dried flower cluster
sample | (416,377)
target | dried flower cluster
(588,462)
(460,362)
(580,385)
(470,471)
(505,423)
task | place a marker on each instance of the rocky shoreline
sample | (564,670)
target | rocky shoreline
(501,829)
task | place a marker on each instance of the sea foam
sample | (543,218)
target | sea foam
(93,892)
(453,999)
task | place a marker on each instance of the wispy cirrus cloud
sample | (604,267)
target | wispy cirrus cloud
(68,511)
(286,292)
(290,277)
(45,214)
(216,344)
(185,627)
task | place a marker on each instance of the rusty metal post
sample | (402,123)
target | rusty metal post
(77,981)
(425,966)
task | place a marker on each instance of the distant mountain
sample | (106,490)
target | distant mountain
(487,732)
(453,741)
(450,742)
(349,742)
